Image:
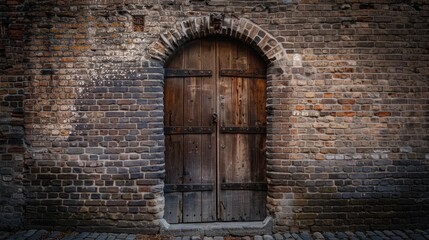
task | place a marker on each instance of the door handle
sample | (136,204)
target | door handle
(214,118)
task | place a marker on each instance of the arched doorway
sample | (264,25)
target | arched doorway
(215,133)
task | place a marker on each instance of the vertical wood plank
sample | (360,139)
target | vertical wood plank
(208,143)
(229,142)
(227,149)
(174,116)
(192,145)
(225,118)
(173,200)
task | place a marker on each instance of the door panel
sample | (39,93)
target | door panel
(173,110)
(190,151)
(241,152)
(215,133)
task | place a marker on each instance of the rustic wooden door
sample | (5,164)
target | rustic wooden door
(215,128)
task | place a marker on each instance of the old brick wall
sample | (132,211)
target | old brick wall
(353,119)
(347,134)
(93,120)
(11,114)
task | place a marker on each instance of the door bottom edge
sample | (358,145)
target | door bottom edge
(212,229)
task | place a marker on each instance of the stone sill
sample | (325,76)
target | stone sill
(217,228)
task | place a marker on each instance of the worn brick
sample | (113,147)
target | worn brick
(346,86)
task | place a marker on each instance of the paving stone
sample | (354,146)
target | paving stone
(4,235)
(318,236)
(287,235)
(112,237)
(329,236)
(305,236)
(257,237)
(122,236)
(102,236)
(375,237)
(419,231)
(195,238)
(416,236)
(73,234)
(209,238)
(351,235)
(278,236)
(341,235)
(360,235)
(69,237)
(21,238)
(83,234)
(381,234)
(420,234)
(41,234)
(401,234)
(423,233)
(93,235)
(296,236)
(268,237)
(54,235)
(131,237)
(19,234)
(30,232)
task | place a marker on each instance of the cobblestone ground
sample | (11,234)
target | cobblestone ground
(373,235)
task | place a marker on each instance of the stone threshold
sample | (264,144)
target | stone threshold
(217,228)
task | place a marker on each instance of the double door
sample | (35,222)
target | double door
(215,131)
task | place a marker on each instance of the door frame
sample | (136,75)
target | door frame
(280,64)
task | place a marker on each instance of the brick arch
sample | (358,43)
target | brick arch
(279,73)
(197,27)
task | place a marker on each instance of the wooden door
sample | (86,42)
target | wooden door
(215,126)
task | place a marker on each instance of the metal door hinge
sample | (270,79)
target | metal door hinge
(187,73)
(187,187)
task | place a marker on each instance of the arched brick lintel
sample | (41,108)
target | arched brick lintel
(198,27)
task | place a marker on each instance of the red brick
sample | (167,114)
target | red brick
(345,114)
(383,114)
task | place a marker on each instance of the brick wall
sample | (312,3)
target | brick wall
(354,147)
(11,114)
(347,103)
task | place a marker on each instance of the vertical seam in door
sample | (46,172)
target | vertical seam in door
(200,84)
(216,79)
(182,194)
